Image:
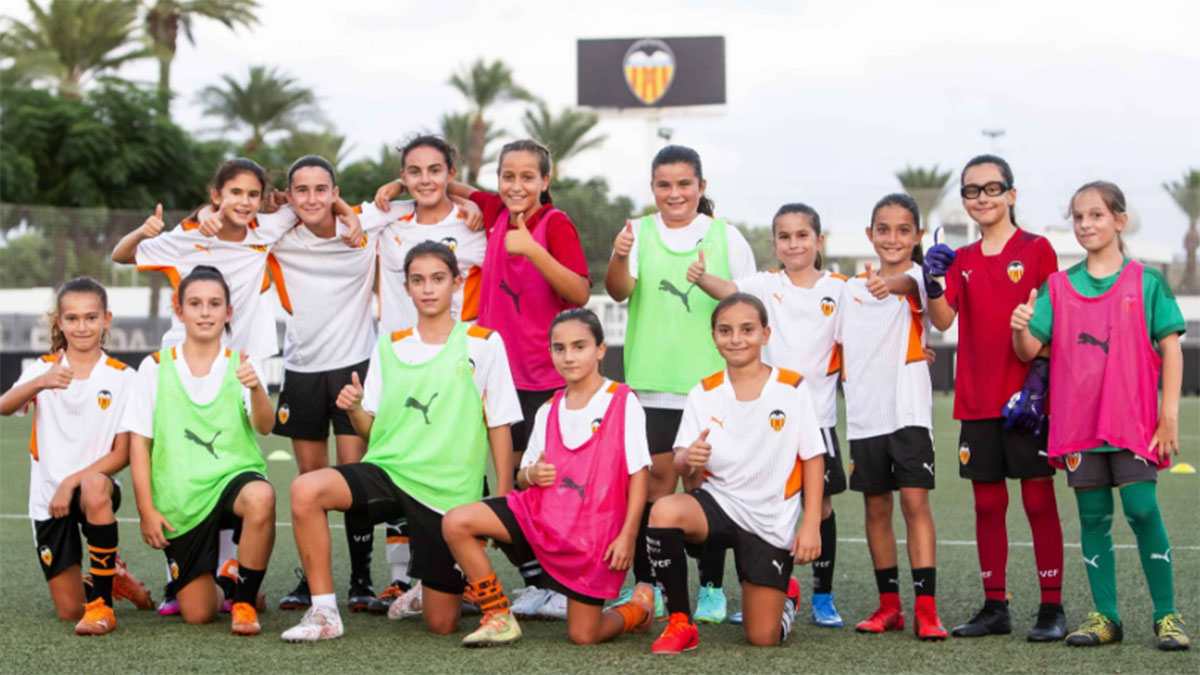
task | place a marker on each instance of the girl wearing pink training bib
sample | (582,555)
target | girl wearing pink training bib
(583,486)
(1101,318)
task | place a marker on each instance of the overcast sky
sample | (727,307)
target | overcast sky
(825,99)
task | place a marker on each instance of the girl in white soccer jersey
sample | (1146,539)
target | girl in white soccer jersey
(583,486)
(78,393)
(802,302)
(882,328)
(750,432)
(196,464)
(649,267)
(437,398)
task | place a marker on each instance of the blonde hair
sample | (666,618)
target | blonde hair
(58,341)
(1113,198)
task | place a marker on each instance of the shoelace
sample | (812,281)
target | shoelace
(1096,623)
(677,624)
(1172,623)
(492,620)
(390,592)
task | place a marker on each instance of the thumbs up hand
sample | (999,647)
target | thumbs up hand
(542,472)
(1023,313)
(519,241)
(351,395)
(697,269)
(153,226)
(699,451)
(59,376)
(211,225)
(623,246)
(876,286)
(245,372)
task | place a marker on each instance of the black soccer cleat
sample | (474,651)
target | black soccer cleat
(299,597)
(993,619)
(360,596)
(1051,625)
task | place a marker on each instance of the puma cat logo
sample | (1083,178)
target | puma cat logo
(919,584)
(778,566)
(424,408)
(669,287)
(1092,561)
(1089,339)
(966,274)
(516,297)
(191,436)
(1165,557)
(102,560)
(570,484)
(928,467)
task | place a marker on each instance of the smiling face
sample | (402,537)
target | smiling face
(239,199)
(82,319)
(740,335)
(431,285)
(522,181)
(986,209)
(677,192)
(204,310)
(1096,226)
(796,241)
(574,351)
(312,194)
(894,233)
(426,176)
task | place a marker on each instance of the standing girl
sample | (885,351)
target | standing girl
(649,267)
(79,393)
(583,486)
(802,302)
(889,412)
(196,464)
(1102,318)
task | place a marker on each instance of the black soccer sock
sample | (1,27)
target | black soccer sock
(888,580)
(711,564)
(227,585)
(360,537)
(822,567)
(669,564)
(642,573)
(530,571)
(249,581)
(924,581)
(102,557)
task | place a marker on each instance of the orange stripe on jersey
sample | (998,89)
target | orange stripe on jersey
(835,275)
(408,218)
(276,273)
(401,334)
(48,358)
(228,352)
(33,449)
(790,377)
(397,540)
(471,292)
(835,359)
(171,272)
(713,381)
(916,351)
(115,364)
(612,388)
(795,480)
(189,225)
(479,332)
(357,208)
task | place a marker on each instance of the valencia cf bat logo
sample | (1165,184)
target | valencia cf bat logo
(828,305)
(1073,461)
(174,570)
(104,398)
(964,454)
(451,243)
(596,424)
(284,413)
(777,418)
(851,466)
(46,556)
(649,69)
(1015,271)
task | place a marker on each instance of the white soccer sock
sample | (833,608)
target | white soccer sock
(398,556)
(226,548)
(325,600)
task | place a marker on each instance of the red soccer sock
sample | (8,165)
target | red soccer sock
(889,601)
(1042,509)
(991,536)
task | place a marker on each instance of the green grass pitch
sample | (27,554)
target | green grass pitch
(33,640)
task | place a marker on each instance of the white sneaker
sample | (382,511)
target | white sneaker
(531,600)
(554,608)
(319,623)
(407,605)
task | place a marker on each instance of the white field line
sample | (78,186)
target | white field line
(842,540)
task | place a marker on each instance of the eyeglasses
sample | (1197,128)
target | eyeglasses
(993,189)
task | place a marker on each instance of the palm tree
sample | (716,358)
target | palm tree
(925,186)
(268,101)
(456,128)
(1186,194)
(71,41)
(166,18)
(563,135)
(484,85)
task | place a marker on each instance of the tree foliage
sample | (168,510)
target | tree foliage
(1186,194)
(596,215)
(563,134)
(268,101)
(484,85)
(166,19)
(926,186)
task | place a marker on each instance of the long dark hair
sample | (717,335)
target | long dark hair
(431,141)
(909,204)
(583,315)
(814,219)
(740,299)
(678,154)
(202,273)
(1005,172)
(79,285)
(543,155)
(232,168)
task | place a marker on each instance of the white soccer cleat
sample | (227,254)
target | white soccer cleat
(319,623)
(554,608)
(530,601)
(407,605)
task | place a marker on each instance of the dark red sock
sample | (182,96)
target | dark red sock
(991,536)
(1042,509)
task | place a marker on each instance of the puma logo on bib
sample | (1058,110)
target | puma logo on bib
(1089,339)
(516,297)
(669,287)
(423,407)
(570,484)
(207,445)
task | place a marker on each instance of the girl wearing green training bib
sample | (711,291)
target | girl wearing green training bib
(668,348)
(196,464)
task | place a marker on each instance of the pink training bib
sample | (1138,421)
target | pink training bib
(517,301)
(571,524)
(1103,370)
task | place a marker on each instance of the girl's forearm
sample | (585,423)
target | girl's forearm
(617,280)
(14,399)
(362,421)
(569,286)
(500,439)
(1026,345)
(717,287)
(262,414)
(638,485)
(1172,375)
(139,467)
(126,250)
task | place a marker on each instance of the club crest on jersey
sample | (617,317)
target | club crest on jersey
(596,424)
(649,67)
(828,305)
(46,556)
(284,413)
(777,418)
(1015,271)
(964,454)
(451,243)
(471,362)
(174,567)
(1073,460)
(104,398)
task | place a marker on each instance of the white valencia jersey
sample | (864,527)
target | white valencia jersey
(243,264)
(401,233)
(803,323)
(72,427)
(326,287)
(754,472)
(885,377)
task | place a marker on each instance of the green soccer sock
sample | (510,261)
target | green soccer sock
(1141,510)
(1095,529)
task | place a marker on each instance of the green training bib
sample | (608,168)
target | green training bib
(668,340)
(197,449)
(429,433)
